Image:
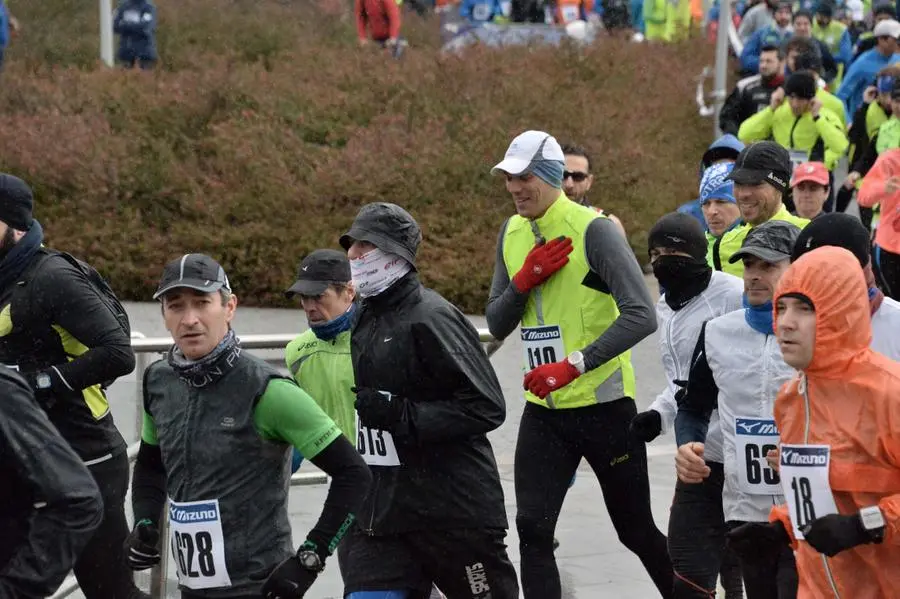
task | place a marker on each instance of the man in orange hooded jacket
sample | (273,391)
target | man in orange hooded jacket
(839,421)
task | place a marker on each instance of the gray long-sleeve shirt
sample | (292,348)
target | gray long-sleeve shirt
(611,259)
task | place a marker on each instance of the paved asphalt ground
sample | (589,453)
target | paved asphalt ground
(593,564)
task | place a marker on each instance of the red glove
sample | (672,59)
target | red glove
(541,262)
(549,377)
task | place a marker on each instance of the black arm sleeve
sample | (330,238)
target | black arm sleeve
(72,302)
(858,135)
(829,65)
(148,484)
(350,481)
(696,401)
(867,158)
(506,304)
(68,508)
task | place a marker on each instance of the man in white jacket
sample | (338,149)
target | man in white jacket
(693,294)
(737,369)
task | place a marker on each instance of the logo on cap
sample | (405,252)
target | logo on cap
(809,169)
(776,179)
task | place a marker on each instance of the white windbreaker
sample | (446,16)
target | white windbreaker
(749,370)
(678,337)
(886,329)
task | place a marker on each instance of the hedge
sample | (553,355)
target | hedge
(265,129)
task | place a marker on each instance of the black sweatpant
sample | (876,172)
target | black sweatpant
(462,563)
(101,569)
(889,272)
(697,540)
(550,446)
(769,575)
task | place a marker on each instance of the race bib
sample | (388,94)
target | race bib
(542,345)
(376,446)
(798,157)
(754,437)
(481,12)
(198,544)
(570,13)
(131,16)
(804,480)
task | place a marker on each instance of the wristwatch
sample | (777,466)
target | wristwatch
(873,522)
(310,560)
(43,381)
(576,359)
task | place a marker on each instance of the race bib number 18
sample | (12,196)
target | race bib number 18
(198,544)
(754,438)
(543,345)
(804,478)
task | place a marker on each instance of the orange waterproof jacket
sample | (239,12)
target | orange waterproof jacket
(847,398)
(873,191)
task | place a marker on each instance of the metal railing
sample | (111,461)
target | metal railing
(145,348)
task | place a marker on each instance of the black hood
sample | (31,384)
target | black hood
(388,227)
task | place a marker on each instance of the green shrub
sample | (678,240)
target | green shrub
(265,129)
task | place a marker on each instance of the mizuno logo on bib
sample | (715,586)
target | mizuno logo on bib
(198,544)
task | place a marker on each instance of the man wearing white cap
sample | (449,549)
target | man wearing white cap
(569,277)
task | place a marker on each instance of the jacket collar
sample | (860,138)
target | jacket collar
(554,214)
(395,294)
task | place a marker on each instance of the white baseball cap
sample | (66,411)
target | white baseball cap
(526,149)
(889,27)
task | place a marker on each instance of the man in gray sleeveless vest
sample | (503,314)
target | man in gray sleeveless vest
(217,435)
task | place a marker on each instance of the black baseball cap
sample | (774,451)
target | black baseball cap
(318,270)
(772,241)
(193,271)
(763,161)
(16,202)
(837,229)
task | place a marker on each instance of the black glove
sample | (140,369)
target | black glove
(646,426)
(290,580)
(757,538)
(835,533)
(377,411)
(141,546)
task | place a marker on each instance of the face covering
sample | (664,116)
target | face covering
(683,278)
(375,271)
(211,367)
(333,328)
(759,317)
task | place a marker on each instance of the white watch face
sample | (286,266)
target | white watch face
(872,518)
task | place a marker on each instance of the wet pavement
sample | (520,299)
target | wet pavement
(593,564)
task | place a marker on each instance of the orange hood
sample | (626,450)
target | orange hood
(833,280)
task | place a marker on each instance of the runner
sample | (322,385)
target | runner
(577,180)
(60,331)
(208,399)
(843,230)
(840,457)
(725,150)
(881,186)
(737,369)
(426,396)
(721,212)
(761,175)
(693,295)
(810,187)
(40,543)
(572,281)
(319,359)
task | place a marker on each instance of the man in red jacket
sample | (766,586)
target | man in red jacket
(381,18)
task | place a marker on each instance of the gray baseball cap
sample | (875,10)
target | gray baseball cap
(772,241)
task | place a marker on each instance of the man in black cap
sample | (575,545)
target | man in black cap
(761,176)
(62,333)
(50,505)
(427,394)
(737,369)
(218,427)
(843,230)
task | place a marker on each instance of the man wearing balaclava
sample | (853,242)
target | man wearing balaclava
(694,294)
(569,277)
(426,397)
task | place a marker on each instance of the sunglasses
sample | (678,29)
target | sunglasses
(577,177)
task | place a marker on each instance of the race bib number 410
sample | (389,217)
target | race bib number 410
(198,544)
(804,478)
(754,437)
(543,345)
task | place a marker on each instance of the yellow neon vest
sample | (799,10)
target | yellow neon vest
(582,313)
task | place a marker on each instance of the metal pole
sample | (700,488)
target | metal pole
(721,75)
(158,574)
(106,32)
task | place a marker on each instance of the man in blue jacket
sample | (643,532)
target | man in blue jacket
(862,72)
(724,149)
(135,24)
(8,23)
(480,11)
(775,35)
